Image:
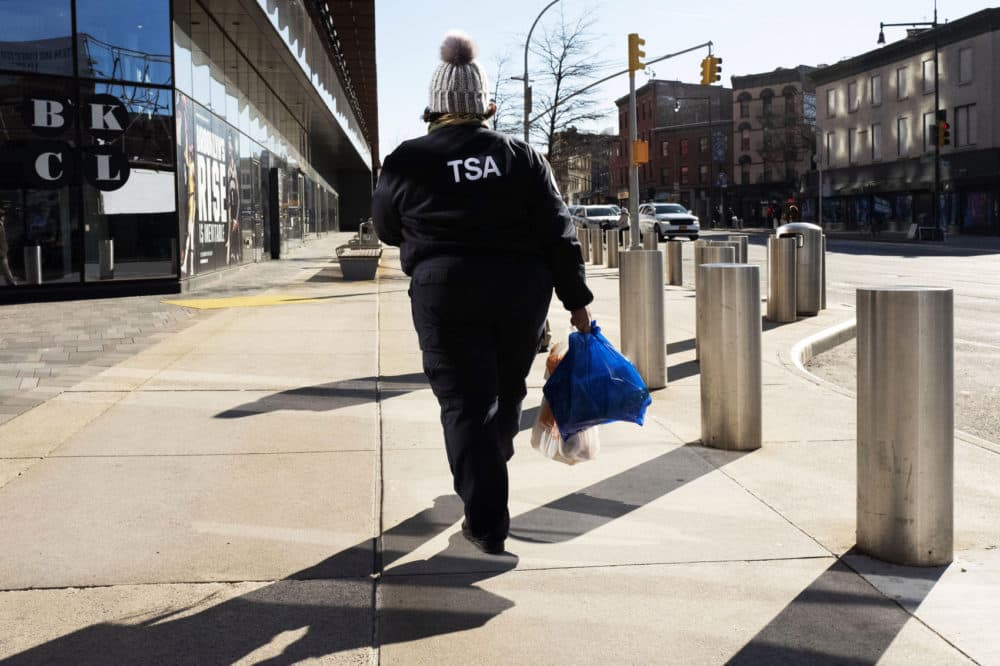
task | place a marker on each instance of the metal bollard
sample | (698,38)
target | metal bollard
(713,254)
(596,247)
(728,243)
(583,234)
(675,267)
(699,253)
(731,371)
(822,293)
(106,260)
(744,241)
(906,424)
(611,260)
(649,241)
(781,281)
(643,336)
(33,264)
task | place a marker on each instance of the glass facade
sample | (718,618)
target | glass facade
(137,141)
(245,186)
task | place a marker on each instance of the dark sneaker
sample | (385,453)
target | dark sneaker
(490,546)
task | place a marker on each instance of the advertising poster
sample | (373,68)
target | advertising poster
(208,183)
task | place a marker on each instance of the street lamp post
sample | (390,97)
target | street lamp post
(524,78)
(936,203)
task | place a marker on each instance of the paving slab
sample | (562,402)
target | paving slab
(163,519)
(636,503)
(245,623)
(791,611)
(332,417)
(262,371)
(43,429)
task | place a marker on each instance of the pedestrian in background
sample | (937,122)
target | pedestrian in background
(624,222)
(8,276)
(485,236)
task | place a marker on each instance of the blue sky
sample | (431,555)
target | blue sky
(751,37)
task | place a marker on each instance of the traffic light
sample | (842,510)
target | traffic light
(943,128)
(710,68)
(635,53)
(716,68)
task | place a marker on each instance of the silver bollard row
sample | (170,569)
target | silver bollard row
(583,234)
(906,425)
(675,266)
(781,279)
(643,335)
(650,241)
(596,247)
(729,326)
(712,254)
(611,260)
(744,246)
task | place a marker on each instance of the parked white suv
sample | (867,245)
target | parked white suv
(596,217)
(667,220)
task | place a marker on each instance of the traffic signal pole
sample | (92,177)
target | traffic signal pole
(640,283)
(633,168)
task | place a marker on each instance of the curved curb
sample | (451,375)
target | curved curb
(804,350)
(807,348)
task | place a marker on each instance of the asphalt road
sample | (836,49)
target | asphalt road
(975,277)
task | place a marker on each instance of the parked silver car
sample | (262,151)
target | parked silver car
(668,220)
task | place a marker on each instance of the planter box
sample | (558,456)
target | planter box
(357,264)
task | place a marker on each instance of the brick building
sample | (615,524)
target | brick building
(688,127)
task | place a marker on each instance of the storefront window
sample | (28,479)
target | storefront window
(36,36)
(124,41)
(129,201)
(38,168)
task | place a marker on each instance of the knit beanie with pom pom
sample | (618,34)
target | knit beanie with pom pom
(459,83)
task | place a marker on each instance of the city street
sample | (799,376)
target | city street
(975,277)
(228,493)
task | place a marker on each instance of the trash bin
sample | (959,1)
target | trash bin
(809,257)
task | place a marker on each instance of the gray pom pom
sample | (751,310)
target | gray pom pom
(458,49)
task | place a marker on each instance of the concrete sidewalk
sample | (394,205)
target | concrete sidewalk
(270,483)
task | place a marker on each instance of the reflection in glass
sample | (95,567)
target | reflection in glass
(38,223)
(36,36)
(182,47)
(124,41)
(131,232)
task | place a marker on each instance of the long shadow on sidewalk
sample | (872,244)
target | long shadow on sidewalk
(317,613)
(840,618)
(330,396)
(580,512)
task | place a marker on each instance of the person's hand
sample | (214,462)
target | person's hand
(580,318)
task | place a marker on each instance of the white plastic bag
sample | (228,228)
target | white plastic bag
(545,436)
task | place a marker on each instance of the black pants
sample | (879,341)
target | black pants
(479,321)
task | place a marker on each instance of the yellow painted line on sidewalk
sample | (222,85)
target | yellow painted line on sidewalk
(243,301)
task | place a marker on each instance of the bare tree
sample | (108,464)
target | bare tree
(568,52)
(507,119)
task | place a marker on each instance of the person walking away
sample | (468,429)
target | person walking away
(8,276)
(484,236)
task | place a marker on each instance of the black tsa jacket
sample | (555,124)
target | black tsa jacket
(467,191)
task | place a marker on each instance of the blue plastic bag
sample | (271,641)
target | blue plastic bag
(594,384)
